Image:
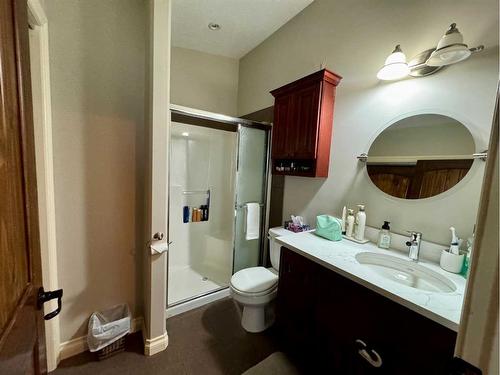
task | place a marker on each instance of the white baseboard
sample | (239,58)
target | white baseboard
(195,303)
(155,345)
(79,345)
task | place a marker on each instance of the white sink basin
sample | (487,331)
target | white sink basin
(406,272)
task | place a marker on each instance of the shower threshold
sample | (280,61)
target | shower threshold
(186,285)
(197,301)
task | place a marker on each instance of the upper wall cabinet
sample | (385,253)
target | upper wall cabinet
(302,129)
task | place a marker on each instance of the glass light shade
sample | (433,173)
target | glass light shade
(448,55)
(450,49)
(395,66)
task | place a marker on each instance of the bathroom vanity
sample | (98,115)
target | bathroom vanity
(348,319)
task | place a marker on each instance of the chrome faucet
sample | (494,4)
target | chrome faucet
(414,245)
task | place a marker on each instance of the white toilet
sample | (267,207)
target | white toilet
(256,287)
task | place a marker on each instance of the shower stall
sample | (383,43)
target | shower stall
(218,165)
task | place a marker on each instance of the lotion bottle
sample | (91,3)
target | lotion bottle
(360,223)
(344,218)
(384,237)
(350,223)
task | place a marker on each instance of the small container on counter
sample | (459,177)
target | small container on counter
(451,262)
(359,233)
(350,223)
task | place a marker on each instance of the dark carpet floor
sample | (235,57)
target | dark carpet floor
(206,341)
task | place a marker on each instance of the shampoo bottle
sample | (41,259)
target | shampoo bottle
(360,223)
(350,223)
(384,237)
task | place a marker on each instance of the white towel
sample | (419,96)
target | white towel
(253,221)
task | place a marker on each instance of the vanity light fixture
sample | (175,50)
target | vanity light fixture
(185,134)
(395,66)
(450,50)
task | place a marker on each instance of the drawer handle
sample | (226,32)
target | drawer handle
(370,355)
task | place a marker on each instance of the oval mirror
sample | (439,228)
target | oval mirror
(420,156)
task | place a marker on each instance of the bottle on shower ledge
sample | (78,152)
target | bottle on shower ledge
(185,214)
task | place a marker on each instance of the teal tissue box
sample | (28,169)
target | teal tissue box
(329,227)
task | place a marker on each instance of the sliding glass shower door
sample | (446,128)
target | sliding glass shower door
(251,187)
(218,165)
(202,165)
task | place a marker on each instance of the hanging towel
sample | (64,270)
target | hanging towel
(253,221)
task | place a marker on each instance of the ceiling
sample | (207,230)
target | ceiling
(244,23)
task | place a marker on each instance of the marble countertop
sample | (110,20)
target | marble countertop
(340,257)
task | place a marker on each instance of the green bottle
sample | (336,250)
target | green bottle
(466,265)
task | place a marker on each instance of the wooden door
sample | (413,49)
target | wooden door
(282,115)
(22,334)
(394,180)
(433,177)
(304,124)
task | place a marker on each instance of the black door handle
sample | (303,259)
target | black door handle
(44,296)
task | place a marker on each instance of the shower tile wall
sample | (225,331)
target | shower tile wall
(200,257)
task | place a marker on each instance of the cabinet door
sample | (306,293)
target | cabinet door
(296,300)
(304,124)
(282,118)
(398,340)
(327,320)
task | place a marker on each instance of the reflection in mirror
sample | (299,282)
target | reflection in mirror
(420,156)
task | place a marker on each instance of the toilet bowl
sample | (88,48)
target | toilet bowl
(255,288)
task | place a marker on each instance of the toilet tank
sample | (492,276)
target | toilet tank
(274,247)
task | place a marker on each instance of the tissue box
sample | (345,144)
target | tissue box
(329,227)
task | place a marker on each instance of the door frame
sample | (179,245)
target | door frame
(38,22)
(478,334)
(158,120)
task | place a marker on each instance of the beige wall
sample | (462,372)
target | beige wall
(203,81)
(354,38)
(438,139)
(97,51)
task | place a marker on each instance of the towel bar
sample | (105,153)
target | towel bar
(244,205)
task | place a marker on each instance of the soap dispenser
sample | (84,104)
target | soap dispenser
(384,237)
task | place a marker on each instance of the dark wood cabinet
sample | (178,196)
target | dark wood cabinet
(302,128)
(327,319)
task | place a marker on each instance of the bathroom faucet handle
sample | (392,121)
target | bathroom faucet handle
(415,237)
(414,234)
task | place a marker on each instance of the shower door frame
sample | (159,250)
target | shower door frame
(265,198)
(233,124)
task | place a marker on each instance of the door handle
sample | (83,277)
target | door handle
(368,354)
(44,296)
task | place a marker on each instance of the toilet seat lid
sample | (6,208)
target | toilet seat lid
(254,280)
